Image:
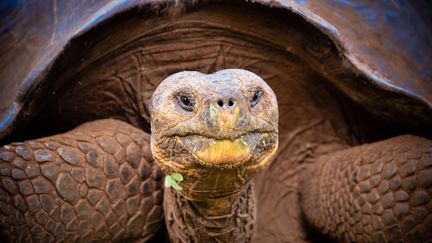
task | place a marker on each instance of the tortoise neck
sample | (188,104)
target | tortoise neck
(227,219)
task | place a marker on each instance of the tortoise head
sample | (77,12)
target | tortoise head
(217,130)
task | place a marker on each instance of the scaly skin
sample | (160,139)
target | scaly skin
(218,143)
(378,192)
(96,182)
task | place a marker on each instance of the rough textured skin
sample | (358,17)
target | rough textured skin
(231,112)
(378,192)
(96,182)
(186,224)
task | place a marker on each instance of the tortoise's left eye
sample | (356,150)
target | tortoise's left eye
(256,97)
(185,103)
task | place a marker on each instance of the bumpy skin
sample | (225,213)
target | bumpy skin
(378,192)
(186,225)
(96,182)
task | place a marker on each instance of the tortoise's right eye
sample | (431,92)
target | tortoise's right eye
(185,102)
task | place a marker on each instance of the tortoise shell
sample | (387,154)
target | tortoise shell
(378,54)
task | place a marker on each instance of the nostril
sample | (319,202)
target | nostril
(230,103)
(220,103)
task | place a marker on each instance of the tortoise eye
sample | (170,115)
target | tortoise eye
(185,103)
(256,97)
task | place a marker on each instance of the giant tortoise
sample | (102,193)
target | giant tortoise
(340,150)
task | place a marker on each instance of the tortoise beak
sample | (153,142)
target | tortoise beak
(224,152)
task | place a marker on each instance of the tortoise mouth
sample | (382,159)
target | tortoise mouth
(216,152)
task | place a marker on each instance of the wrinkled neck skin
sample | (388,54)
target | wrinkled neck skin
(227,219)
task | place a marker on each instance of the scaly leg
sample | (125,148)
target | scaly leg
(378,192)
(96,182)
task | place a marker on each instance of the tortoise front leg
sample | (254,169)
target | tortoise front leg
(96,182)
(378,192)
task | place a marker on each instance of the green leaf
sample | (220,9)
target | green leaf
(171,182)
(177,176)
